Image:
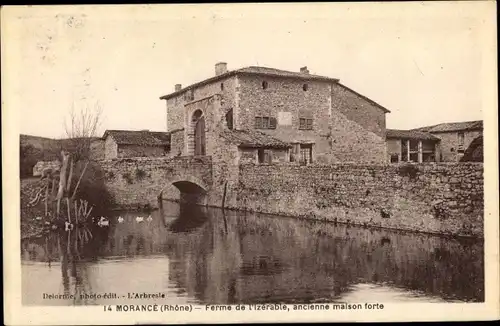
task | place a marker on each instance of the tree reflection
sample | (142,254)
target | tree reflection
(217,256)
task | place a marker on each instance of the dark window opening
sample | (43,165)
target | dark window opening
(394,158)
(265,123)
(189,95)
(264,156)
(452,149)
(221,86)
(229,119)
(305,87)
(305,124)
(414,157)
(305,154)
(428,157)
(460,138)
(264,84)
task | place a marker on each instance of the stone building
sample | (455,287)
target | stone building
(411,146)
(127,143)
(455,138)
(316,117)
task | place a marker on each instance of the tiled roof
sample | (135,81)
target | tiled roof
(142,137)
(254,70)
(453,126)
(253,139)
(409,134)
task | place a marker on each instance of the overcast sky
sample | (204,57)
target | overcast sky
(423,62)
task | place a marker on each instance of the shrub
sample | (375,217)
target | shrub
(408,170)
(140,174)
(92,188)
(128,178)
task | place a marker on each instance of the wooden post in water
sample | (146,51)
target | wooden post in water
(224,205)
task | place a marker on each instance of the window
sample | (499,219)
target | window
(229,119)
(305,87)
(394,158)
(460,139)
(305,154)
(264,156)
(265,123)
(189,95)
(221,86)
(305,124)
(264,84)
(460,142)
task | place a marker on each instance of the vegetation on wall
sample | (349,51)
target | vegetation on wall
(408,170)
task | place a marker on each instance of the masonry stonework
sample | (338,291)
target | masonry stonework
(437,198)
(340,133)
(135,182)
(449,143)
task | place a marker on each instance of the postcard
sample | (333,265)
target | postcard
(214,163)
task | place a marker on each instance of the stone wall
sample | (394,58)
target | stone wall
(110,148)
(436,198)
(141,151)
(176,115)
(449,141)
(45,165)
(346,127)
(135,182)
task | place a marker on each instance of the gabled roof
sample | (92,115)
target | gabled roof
(254,70)
(138,137)
(253,139)
(409,134)
(453,126)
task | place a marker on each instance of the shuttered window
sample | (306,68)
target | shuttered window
(305,124)
(265,123)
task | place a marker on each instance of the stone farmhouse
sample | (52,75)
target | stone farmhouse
(264,115)
(127,143)
(455,138)
(411,146)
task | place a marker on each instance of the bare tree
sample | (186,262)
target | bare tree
(81,129)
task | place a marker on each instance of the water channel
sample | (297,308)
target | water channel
(204,255)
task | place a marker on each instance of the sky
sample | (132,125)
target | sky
(422,61)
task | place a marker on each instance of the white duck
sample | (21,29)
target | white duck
(139,218)
(120,219)
(149,219)
(68,226)
(103,221)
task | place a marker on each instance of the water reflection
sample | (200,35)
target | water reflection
(198,254)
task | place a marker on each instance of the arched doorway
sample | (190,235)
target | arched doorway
(198,123)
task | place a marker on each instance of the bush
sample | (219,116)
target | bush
(408,170)
(92,188)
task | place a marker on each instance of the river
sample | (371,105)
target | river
(203,255)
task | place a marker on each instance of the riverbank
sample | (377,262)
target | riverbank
(30,226)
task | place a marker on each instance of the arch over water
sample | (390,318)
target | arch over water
(192,190)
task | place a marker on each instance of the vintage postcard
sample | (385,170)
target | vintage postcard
(244,163)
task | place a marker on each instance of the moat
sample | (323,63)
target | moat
(181,255)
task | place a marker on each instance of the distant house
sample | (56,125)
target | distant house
(128,143)
(411,146)
(455,137)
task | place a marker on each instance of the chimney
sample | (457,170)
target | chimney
(178,87)
(304,70)
(220,68)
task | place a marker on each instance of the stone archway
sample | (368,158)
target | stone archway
(192,190)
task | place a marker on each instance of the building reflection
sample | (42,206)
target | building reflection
(235,257)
